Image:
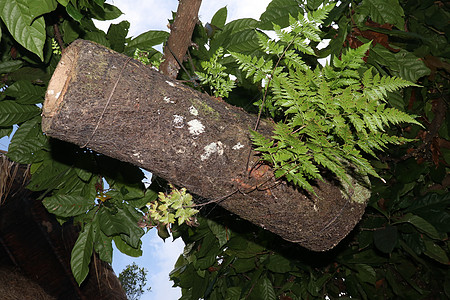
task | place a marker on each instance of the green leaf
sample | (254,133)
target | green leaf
(420,224)
(10,66)
(366,273)
(383,11)
(278,264)
(123,247)
(107,12)
(73,12)
(219,231)
(243,42)
(102,243)
(38,8)
(147,40)
(265,289)
(117,34)
(220,17)
(68,205)
(403,64)
(81,254)
(98,37)
(435,252)
(13,113)
(64,2)
(277,12)
(244,265)
(385,239)
(25,92)
(123,222)
(19,20)
(27,141)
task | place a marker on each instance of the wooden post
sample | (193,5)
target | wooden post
(116,106)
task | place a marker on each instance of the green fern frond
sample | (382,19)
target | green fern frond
(318,16)
(333,116)
(352,58)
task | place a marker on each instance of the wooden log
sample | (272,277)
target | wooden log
(116,106)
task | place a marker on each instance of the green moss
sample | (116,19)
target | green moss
(204,108)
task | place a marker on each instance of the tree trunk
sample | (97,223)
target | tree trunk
(180,37)
(114,105)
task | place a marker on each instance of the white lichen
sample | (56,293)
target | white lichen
(178,121)
(167,100)
(170,83)
(238,146)
(196,127)
(215,147)
(193,110)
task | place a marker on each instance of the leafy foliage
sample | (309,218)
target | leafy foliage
(215,77)
(330,114)
(399,250)
(133,281)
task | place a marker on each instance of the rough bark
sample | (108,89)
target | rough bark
(180,36)
(33,241)
(123,109)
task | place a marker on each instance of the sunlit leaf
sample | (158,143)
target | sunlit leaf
(278,12)
(29,32)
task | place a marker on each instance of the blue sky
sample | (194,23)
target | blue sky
(159,257)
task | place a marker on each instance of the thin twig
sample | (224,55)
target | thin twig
(58,37)
(107,103)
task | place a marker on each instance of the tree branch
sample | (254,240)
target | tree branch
(180,37)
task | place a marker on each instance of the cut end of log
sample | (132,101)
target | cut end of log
(58,84)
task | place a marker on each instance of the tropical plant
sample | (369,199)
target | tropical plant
(389,60)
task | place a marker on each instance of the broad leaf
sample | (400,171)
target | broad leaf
(68,205)
(385,239)
(10,65)
(13,113)
(81,254)
(435,252)
(64,2)
(102,243)
(383,11)
(123,222)
(220,17)
(107,12)
(278,12)
(26,142)
(279,264)
(265,289)
(117,34)
(148,39)
(219,231)
(18,19)
(420,224)
(73,12)
(25,92)
(127,249)
(38,8)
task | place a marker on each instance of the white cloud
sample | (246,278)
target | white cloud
(164,254)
